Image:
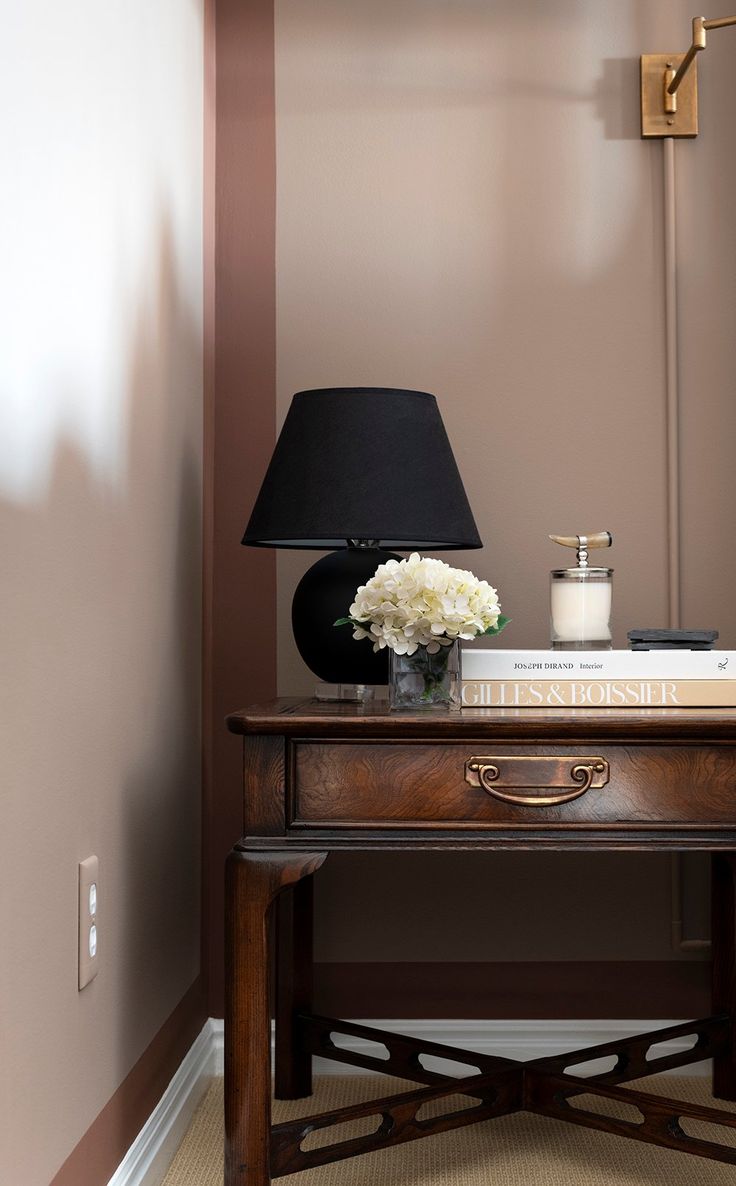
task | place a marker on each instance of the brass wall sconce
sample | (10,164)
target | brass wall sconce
(669,86)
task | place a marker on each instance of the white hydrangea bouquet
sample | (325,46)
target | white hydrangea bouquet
(419,608)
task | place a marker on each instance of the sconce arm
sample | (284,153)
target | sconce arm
(719,22)
(700,25)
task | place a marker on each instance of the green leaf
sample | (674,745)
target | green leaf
(352,622)
(500,625)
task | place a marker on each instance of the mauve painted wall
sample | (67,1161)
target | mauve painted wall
(464,205)
(240,583)
(100,507)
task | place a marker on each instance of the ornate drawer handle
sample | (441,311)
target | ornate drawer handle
(501,776)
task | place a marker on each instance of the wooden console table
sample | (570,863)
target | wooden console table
(325,778)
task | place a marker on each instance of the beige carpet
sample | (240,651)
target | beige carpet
(519,1150)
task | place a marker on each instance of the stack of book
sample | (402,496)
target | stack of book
(496,678)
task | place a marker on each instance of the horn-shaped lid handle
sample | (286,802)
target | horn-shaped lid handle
(599,539)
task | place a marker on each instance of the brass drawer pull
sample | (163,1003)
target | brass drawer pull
(502,776)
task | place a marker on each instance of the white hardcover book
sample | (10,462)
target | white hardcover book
(496,663)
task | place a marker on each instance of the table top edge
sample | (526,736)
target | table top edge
(301,716)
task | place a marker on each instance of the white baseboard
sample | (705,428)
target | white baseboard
(150,1155)
(511,1039)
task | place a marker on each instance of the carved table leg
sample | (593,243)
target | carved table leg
(724,966)
(293,1067)
(253,879)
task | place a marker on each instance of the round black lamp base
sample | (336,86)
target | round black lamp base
(324,594)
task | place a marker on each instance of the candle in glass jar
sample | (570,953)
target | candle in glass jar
(580,606)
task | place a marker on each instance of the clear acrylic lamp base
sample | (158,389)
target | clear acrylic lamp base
(356,693)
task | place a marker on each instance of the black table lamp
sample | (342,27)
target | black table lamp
(360,470)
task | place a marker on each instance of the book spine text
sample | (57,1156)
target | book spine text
(651,693)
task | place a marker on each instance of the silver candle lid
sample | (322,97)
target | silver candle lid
(589,575)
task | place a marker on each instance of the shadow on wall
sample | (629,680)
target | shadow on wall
(431,80)
(160,935)
(101,598)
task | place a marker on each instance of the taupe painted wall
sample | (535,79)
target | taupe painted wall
(464,206)
(100,509)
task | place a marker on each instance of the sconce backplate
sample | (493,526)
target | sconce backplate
(655,121)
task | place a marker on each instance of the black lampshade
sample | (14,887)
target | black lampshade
(369,465)
(363,463)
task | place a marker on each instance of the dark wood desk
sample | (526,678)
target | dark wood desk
(324,778)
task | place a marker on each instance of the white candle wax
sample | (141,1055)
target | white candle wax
(581,611)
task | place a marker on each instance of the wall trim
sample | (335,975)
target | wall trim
(240,583)
(149,1157)
(511,1039)
(103,1146)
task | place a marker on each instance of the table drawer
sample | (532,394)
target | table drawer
(472,784)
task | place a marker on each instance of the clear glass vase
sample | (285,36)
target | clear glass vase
(425,680)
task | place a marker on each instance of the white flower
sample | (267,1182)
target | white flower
(422,603)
